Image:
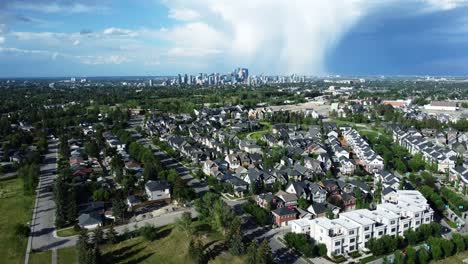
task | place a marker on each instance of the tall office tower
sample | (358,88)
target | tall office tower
(150,83)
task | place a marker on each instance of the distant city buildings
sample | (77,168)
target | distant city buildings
(236,77)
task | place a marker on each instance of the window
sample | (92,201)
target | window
(427,219)
(352,240)
(351,232)
(417,215)
(351,248)
(337,243)
(393,230)
(392,222)
(417,222)
(367,236)
(405,226)
(366,228)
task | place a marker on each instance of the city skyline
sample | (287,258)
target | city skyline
(82,38)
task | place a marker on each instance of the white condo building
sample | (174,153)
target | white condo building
(352,230)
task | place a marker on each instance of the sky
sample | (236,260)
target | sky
(50,38)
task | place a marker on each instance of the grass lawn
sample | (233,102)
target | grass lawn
(457,259)
(171,246)
(69,231)
(15,208)
(67,256)
(44,257)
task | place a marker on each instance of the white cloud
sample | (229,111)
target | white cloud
(275,35)
(119,32)
(76,43)
(444,5)
(55,7)
(2,40)
(96,60)
(183,14)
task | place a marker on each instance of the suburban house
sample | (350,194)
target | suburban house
(282,215)
(158,191)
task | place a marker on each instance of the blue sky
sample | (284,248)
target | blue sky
(165,37)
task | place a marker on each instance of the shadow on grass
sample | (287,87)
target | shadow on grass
(139,259)
(214,250)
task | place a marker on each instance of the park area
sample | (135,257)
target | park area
(170,245)
(15,210)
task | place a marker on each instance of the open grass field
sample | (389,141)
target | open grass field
(457,259)
(15,208)
(266,127)
(68,231)
(67,256)
(170,247)
(44,257)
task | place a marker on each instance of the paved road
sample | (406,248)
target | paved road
(199,187)
(43,224)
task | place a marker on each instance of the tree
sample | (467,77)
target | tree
(82,247)
(88,253)
(302,202)
(264,253)
(459,242)
(410,255)
(436,249)
(447,247)
(98,235)
(399,258)
(149,232)
(184,223)
(112,235)
(236,246)
(322,250)
(411,236)
(252,253)
(92,149)
(119,207)
(423,256)
(400,166)
(195,250)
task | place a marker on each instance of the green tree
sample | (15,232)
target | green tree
(184,223)
(411,255)
(112,235)
(236,246)
(264,253)
(447,247)
(302,202)
(411,236)
(436,250)
(459,242)
(119,207)
(98,235)
(423,256)
(252,253)
(399,258)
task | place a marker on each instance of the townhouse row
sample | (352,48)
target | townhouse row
(368,158)
(415,143)
(401,211)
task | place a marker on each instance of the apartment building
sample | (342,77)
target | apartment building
(352,230)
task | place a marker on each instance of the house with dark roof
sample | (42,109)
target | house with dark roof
(281,216)
(158,191)
(90,220)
